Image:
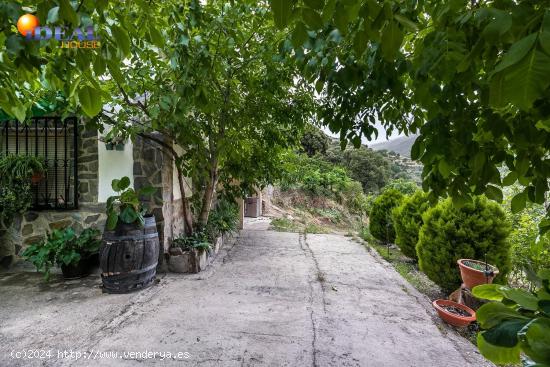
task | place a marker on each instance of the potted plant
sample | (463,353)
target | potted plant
(65,249)
(114,140)
(130,251)
(188,253)
(454,313)
(475,272)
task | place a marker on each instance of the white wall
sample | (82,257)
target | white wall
(113,164)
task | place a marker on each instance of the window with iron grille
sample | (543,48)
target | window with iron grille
(56,141)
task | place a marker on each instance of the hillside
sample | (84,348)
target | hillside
(401,145)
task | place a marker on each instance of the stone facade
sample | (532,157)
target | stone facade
(151,167)
(154,167)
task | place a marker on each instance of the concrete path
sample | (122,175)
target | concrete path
(272,299)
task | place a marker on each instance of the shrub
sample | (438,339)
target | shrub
(223,219)
(407,220)
(404,186)
(380,221)
(448,234)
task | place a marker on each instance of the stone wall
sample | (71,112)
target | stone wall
(36,224)
(154,167)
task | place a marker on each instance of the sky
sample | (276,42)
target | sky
(381,135)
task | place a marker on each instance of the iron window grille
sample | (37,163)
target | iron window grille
(56,141)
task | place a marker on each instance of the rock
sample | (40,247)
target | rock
(33,239)
(61,224)
(31,216)
(175,251)
(91,219)
(27,230)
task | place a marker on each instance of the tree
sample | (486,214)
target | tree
(380,219)
(471,77)
(478,230)
(208,77)
(314,141)
(407,221)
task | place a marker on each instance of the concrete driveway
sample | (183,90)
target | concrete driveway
(272,299)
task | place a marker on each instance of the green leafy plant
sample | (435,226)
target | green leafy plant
(126,207)
(15,185)
(19,167)
(223,219)
(407,220)
(380,220)
(62,247)
(516,323)
(197,241)
(476,229)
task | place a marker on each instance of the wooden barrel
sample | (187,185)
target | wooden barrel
(129,257)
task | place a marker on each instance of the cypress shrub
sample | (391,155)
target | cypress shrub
(448,234)
(407,220)
(380,221)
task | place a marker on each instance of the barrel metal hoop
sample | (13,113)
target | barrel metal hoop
(110,240)
(132,272)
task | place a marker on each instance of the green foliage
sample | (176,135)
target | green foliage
(313,141)
(449,233)
(15,185)
(407,220)
(284,225)
(406,187)
(197,241)
(471,77)
(516,323)
(62,247)
(380,219)
(126,207)
(223,219)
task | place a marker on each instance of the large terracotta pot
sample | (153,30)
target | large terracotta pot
(472,277)
(453,318)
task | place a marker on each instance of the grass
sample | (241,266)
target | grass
(315,228)
(285,225)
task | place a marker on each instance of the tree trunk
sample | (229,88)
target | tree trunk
(186,209)
(208,196)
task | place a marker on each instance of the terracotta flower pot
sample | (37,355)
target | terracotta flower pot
(472,277)
(454,318)
(37,177)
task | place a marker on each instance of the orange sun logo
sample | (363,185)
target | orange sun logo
(27,23)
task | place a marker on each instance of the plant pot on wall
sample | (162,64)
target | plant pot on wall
(37,177)
(191,261)
(454,313)
(119,147)
(109,146)
(474,272)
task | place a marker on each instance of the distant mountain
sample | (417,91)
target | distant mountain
(401,145)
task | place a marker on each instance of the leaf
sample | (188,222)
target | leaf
(392,37)
(155,36)
(90,100)
(535,339)
(406,22)
(112,220)
(505,334)
(510,178)
(544,41)
(361,41)
(314,4)
(53,15)
(281,9)
(543,125)
(518,202)
(498,355)
(444,168)
(312,18)
(128,215)
(147,191)
(500,24)
(491,292)
(299,35)
(523,83)
(522,298)
(516,52)
(67,12)
(122,39)
(328,10)
(491,314)
(494,193)
(123,183)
